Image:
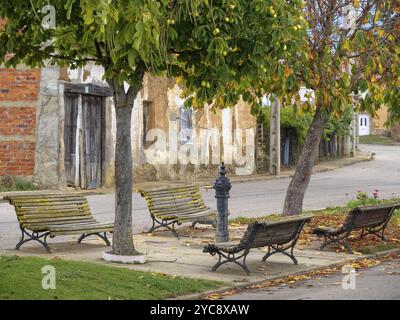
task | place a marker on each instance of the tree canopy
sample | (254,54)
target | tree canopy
(221,48)
(352,54)
(351,58)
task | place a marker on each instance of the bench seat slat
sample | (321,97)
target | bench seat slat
(49,219)
(47,198)
(169,204)
(184,213)
(53,200)
(94,225)
(46,205)
(61,213)
(169,191)
(178,209)
(58,220)
(190,217)
(175,200)
(34,226)
(89,228)
(53,210)
(41,195)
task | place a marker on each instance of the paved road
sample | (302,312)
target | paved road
(261,197)
(381,282)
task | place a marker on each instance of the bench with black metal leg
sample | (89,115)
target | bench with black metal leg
(279,236)
(48,215)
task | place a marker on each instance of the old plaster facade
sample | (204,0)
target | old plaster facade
(58,126)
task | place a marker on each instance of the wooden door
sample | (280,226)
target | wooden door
(70,137)
(92,116)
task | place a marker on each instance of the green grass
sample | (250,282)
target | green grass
(396,215)
(15,184)
(378,248)
(21,278)
(369,201)
(371,139)
(271,217)
(247,220)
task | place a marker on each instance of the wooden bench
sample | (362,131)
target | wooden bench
(44,215)
(368,219)
(279,236)
(177,205)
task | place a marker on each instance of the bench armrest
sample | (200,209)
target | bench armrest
(207,187)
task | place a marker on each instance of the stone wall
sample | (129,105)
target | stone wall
(49,168)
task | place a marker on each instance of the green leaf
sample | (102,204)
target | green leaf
(137,38)
(132,58)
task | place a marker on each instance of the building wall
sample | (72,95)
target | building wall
(395,132)
(378,122)
(218,135)
(160,95)
(19,92)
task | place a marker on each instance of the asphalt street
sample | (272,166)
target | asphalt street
(259,198)
(381,282)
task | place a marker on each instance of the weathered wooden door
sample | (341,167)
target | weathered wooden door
(70,137)
(92,120)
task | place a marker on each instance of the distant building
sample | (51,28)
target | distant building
(377,125)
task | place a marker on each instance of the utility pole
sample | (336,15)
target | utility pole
(275,138)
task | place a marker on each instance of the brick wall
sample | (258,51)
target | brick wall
(19,90)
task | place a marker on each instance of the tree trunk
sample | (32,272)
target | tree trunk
(122,235)
(301,179)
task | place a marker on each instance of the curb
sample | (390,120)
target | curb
(367,157)
(363,158)
(199,296)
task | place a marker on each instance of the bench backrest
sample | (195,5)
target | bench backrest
(36,212)
(171,201)
(369,216)
(261,234)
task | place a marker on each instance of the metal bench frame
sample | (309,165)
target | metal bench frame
(245,245)
(36,236)
(341,235)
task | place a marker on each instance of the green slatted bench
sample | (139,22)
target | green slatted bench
(41,216)
(177,205)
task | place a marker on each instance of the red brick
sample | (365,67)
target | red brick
(17,158)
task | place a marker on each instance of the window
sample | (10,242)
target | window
(186,125)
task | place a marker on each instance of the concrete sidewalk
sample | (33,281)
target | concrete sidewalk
(184,256)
